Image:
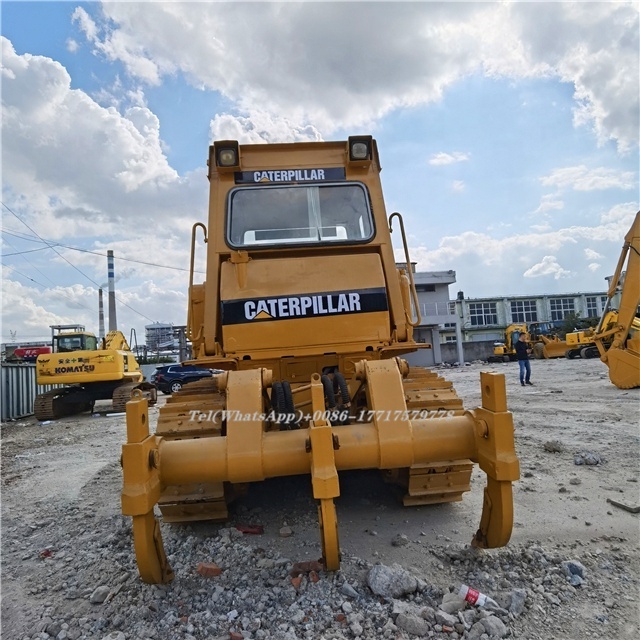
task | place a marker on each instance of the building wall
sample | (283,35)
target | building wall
(486,318)
(477,350)
(436,312)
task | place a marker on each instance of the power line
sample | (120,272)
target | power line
(6,266)
(19,253)
(67,261)
(34,267)
(95,253)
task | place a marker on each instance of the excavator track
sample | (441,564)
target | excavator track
(48,405)
(122,394)
(196,412)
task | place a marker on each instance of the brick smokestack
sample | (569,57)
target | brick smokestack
(113,323)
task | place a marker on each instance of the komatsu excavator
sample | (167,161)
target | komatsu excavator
(617,335)
(308,316)
(87,371)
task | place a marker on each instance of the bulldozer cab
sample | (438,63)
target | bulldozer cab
(299,261)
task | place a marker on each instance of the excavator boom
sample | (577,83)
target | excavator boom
(617,335)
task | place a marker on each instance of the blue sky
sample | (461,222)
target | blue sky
(508,136)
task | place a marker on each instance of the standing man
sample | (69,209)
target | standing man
(523,351)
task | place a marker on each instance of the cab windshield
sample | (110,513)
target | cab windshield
(75,342)
(299,214)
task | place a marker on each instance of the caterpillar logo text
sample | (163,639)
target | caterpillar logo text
(304,306)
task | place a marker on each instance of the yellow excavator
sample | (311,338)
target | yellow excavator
(87,371)
(308,316)
(617,335)
(506,351)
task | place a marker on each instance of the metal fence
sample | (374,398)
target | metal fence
(18,390)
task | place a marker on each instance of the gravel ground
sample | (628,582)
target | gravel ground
(571,569)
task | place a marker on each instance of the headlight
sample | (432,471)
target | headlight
(360,148)
(225,154)
(227,158)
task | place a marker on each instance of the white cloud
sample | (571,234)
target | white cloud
(495,264)
(444,158)
(548,266)
(549,203)
(114,170)
(581,178)
(85,23)
(592,255)
(290,58)
(261,127)
(593,266)
(72,45)
(458,185)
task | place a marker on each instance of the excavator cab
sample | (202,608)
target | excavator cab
(74,342)
(66,338)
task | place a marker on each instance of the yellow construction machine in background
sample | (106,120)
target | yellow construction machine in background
(617,335)
(506,351)
(545,342)
(88,372)
(308,315)
(580,344)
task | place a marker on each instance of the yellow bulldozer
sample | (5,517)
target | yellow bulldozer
(87,371)
(545,342)
(617,335)
(308,316)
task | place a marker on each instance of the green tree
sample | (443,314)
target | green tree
(573,321)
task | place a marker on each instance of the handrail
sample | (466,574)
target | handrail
(191,265)
(414,293)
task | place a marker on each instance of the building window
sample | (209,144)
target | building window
(452,308)
(483,313)
(561,308)
(603,302)
(524,311)
(592,307)
(450,339)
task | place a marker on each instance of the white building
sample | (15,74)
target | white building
(486,318)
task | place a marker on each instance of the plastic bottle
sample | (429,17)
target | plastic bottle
(472,596)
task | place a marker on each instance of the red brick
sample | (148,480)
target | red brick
(209,569)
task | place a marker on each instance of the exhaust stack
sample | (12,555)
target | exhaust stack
(113,323)
(100,316)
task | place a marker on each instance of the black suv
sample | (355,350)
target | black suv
(172,378)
